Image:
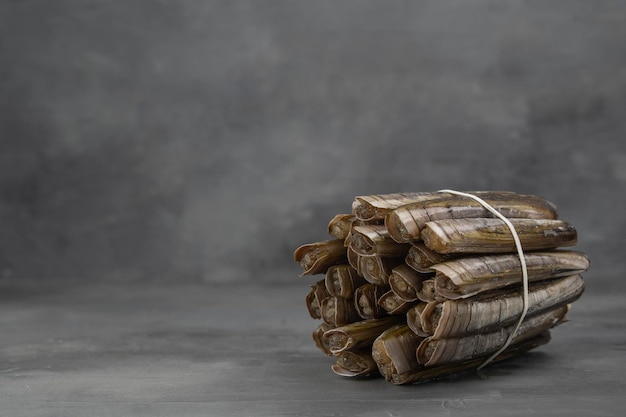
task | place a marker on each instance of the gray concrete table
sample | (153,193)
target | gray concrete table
(75,349)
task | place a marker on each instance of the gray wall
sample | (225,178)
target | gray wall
(205,140)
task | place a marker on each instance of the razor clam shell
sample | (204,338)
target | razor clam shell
(433,352)
(465,277)
(376,206)
(373,240)
(414,319)
(428,292)
(354,259)
(405,224)
(422,374)
(342,280)
(376,269)
(394,351)
(366,301)
(420,258)
(355,364)
(393,304)
(489,235)
(322,342)
(315,258)
(339,226)
(405,282)
(338,311)
(314,299)
(359,334)
(456,318)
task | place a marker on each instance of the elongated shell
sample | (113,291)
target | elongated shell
(394,350)
(465,277)
(423,374)
(405,282)
(373,240)
(366,301)
(339,226)
(414,319)
(355,364)
(493,235)
(406,223)
(393,304)
(441,351)
(371,207)
(342,280)
(338,311)
(428,292)
(456,318)
(315,258)
(422,259)
(322,343)
(376,269)
(314,299)
(359,334)
(354,259)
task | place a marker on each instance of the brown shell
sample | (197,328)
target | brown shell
(406,223)
(315,258)
(422,374)
(376,269)
(394,351)
(483,235)
(465,277)
(371,207)
(366,301)
(373,240)
(405,282)
(355,364)
(342,280)
(433,352)
(456,318)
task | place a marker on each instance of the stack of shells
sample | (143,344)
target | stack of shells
(418,286)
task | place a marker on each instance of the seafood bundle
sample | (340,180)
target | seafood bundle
(417,286)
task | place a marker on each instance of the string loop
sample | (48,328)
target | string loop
(520,253)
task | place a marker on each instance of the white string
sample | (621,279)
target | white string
(520,253)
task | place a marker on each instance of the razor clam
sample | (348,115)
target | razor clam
(405,282)
(371,240)
(354,259)
(414,319)
(359,334)
(322,342)
(342,280)
(465,277)
(338,311)
(458,349)
(393,304)
(456,318)
(405,223)
(422,259)
(488,235)
(394,351)
(376,269)
(355,364)
(366,301)
(422,374)
(339,226)
(314,299)
(428,291)
(371,207)
(315,258)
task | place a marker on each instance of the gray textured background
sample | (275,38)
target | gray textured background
(205,140)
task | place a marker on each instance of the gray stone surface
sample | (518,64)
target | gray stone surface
(161,159)
(198,140)
(245,350)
